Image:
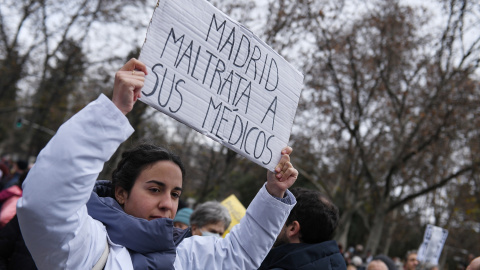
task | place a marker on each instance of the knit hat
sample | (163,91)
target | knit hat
(183,216)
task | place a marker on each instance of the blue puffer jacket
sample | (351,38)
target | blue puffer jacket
(151,244)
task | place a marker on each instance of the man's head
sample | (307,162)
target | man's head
(377,265)
(210,218)
(411,261)
(20,166)
(313,219)
(387,260)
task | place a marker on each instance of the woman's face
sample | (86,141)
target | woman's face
(155,193)
(216,228)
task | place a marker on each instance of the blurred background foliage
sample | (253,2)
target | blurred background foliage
(387,126)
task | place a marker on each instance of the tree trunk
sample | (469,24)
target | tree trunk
(391,230)
(375,234)
(344,228)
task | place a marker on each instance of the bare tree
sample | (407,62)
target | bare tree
(41,43)
(394,100)
(388,112)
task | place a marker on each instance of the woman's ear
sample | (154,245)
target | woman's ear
(121,195)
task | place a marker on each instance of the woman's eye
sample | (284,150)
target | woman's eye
(176,195)
(155,190)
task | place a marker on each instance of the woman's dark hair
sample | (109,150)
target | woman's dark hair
(135,160)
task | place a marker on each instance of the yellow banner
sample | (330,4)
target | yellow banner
(236,209)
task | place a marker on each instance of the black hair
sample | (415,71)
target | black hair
(135,160)
(317,215)
(22,178)
(22,164)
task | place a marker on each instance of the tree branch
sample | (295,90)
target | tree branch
(433,187)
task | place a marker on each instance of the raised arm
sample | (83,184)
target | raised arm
(248,243)
(52,212)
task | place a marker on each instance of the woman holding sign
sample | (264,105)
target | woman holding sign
(127,224)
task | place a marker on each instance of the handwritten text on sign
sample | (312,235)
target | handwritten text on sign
(214,75)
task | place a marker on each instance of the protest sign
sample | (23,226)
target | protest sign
(236,210)
(432,245)
(216,76)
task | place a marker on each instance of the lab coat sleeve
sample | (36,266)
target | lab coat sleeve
(52,212)
(246,245)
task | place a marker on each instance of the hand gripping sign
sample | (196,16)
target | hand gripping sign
(214,75)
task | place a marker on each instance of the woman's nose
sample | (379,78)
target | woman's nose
(165,202)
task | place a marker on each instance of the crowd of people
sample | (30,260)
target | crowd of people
(67,219)
(356,260)
(305,241)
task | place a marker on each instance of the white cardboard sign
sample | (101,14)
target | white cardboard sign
(432,245)
(214,75)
